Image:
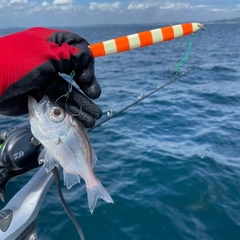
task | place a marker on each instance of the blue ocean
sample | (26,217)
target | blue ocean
(172,162)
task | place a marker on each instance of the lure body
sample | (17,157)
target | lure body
(143,39)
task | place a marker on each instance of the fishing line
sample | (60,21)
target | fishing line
(174,74)
(180,63)
(70,83)
(67,94)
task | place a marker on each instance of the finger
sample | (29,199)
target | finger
(86,80)
(83,65)
(85,74)
(87,120)
(60,37)
(93,90)
(78,99)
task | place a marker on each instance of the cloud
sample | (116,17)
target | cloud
(138,6)
(182,6)
(164,6)
(62,2)
(175,6)
(79,12)
(142,5)
(13,8)
(18,2)
(105,7)
(45,4)
(218,10)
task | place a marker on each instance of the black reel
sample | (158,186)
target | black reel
(18,154)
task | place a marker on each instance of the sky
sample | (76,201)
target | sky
(29,13)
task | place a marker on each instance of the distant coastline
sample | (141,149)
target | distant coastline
(225,21)
(160,24)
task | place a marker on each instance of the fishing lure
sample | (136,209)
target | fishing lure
(143,39)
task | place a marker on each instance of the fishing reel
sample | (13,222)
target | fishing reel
(19,151)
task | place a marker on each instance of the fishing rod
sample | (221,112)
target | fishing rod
(175,78)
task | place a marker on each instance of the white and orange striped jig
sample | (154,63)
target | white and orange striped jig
(143,39)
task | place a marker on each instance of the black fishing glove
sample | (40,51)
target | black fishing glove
(30,62)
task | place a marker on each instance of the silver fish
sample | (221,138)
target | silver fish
(66,143)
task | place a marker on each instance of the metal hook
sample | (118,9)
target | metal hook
(72,113)
(66,95)
(172,75)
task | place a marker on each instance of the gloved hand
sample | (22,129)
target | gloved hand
(30,61)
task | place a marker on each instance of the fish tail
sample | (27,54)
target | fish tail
(95,192)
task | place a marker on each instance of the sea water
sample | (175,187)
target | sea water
(172,162)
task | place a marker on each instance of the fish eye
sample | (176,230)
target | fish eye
(56,111)
(56,114)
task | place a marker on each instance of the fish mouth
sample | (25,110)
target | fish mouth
(35,108)
(44,100)
(32,105)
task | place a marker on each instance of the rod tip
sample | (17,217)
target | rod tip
(202,26)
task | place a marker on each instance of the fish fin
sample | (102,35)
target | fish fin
(94,158)
(95,192)
(41,156)
(50,162)
(70,179)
